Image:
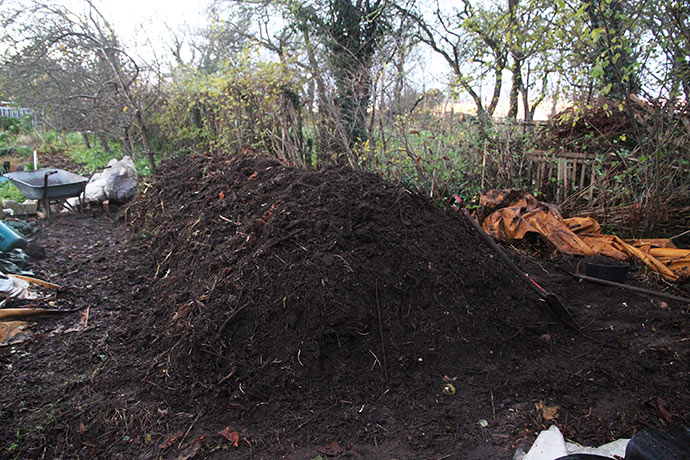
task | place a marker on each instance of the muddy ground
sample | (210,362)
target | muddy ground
(304,314)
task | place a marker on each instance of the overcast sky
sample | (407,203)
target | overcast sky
(128,14)
(135,21)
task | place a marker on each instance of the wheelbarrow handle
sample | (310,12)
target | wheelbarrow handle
(46,200)
(45,177)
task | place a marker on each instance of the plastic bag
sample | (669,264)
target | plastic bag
(95,189)
(120,180)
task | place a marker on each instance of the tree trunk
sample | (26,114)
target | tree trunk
(498,83)
(524,90)
(146,141)
(104,144)
(515,88)
(399,81)
(322,144)
(127,142)
(85,136)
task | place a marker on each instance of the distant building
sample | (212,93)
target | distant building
(8,110)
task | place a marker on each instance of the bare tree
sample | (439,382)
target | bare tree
(72,66)
(462,36)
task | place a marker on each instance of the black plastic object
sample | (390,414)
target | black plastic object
(584,457)
(615,273)
(652,444)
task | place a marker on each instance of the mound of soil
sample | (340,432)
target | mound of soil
(295,283)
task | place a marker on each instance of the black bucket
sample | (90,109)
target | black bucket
(609,272)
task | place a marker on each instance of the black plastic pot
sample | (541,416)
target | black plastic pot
(652,444)
(584,457)
(615,273)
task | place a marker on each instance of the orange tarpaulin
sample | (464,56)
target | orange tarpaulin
(510,214)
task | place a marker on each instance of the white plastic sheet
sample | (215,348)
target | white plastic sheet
(117,183)
(551,445)
(120,180)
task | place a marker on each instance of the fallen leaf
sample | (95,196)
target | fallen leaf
(549,413)
(254,174)
(10,329)
(663,305)
(82,427)
(230,434)
(182,312)
(170,440)
(332,449)
(221,195)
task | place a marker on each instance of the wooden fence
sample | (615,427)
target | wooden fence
(563,173)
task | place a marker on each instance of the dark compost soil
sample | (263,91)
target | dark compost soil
(321,313)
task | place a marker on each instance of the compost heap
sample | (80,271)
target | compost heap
(284,285)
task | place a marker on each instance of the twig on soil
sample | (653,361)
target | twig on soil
(179,446)
(383,343)
(225,379)
(228,319)
(383,394)
(376,360)
(519,331)
(345,261)
(631,288)
(680,234)
(314,417)
(145,380)
(228,220)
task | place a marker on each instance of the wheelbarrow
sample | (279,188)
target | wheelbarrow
(48,185)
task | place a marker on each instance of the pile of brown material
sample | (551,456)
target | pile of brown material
(601,127)
(286,284)
(292,277)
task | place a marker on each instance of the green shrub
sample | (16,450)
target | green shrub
(238,106)
(92,158)
(9,192)
(52,142)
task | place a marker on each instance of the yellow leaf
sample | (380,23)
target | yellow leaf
(549,413)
